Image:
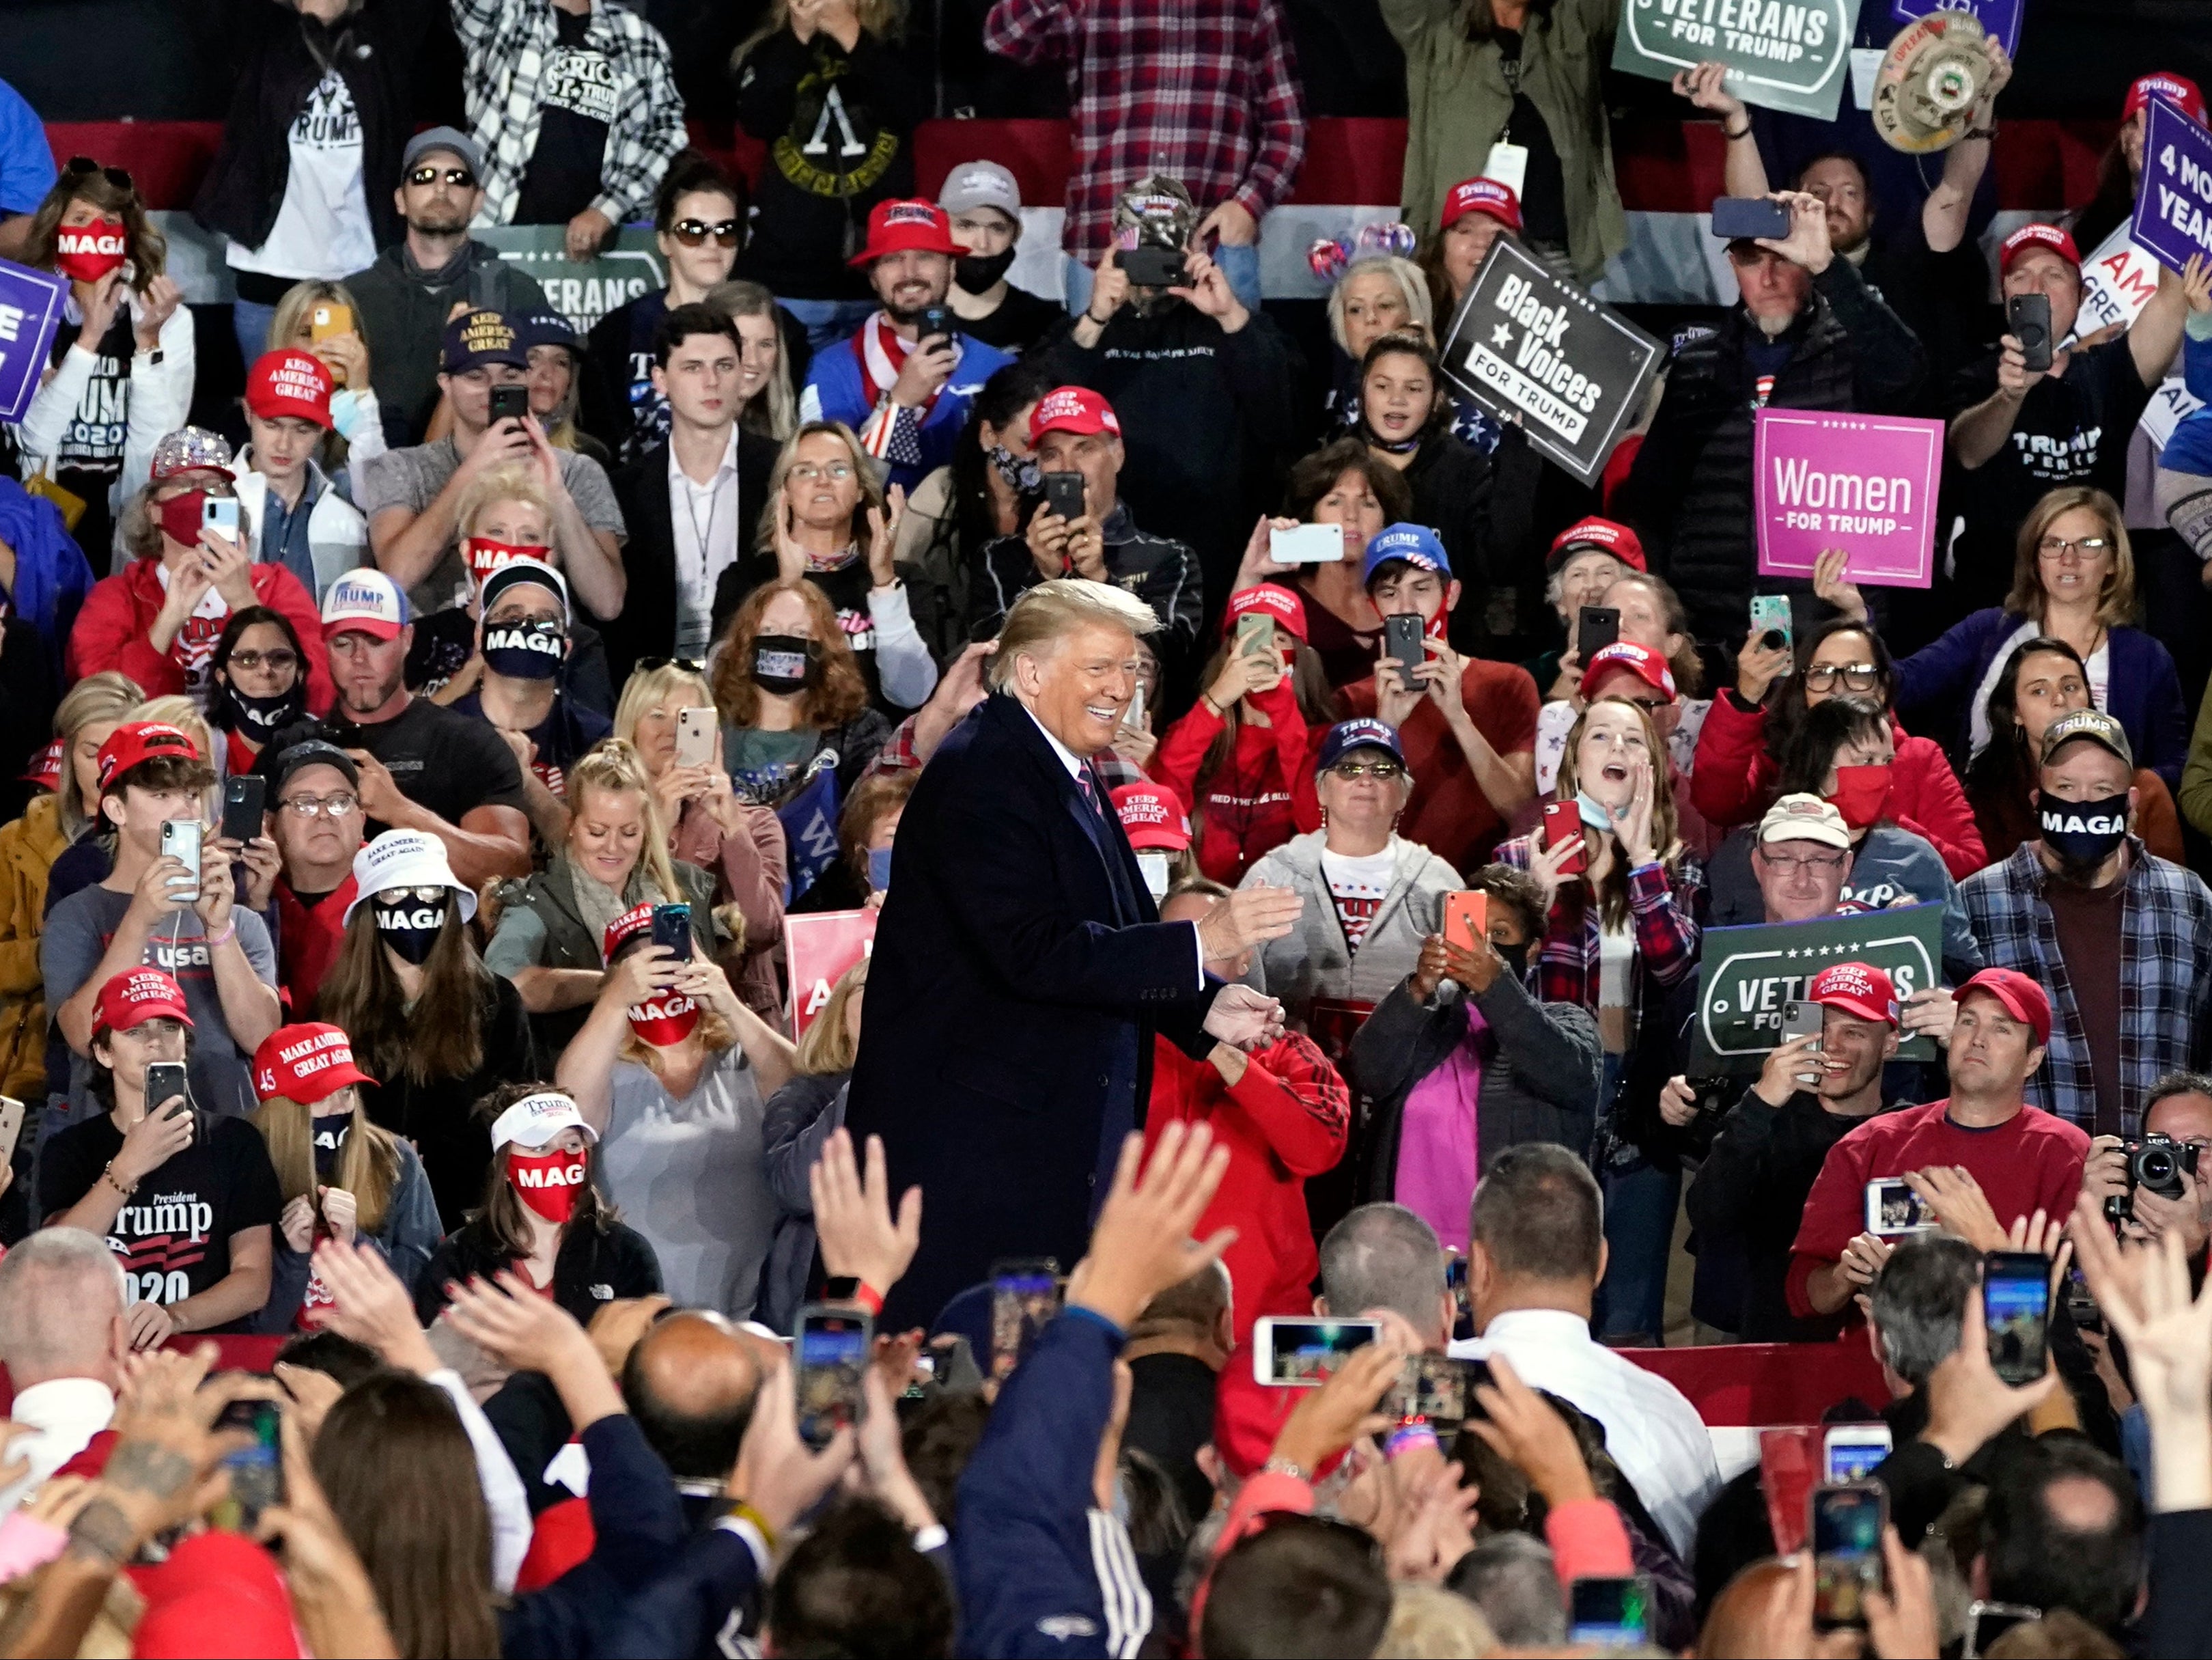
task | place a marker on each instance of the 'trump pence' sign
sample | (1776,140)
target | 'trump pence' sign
(1527,345)
(1863,483)
(30,311)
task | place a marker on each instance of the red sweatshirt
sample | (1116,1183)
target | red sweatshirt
(2031,1162)
(113,632)
(1286,1119)
(1734,778)
(1244,809)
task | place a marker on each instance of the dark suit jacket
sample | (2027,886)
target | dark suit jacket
(647,627)
(1011,972)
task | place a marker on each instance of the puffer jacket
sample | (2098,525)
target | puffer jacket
(28,848)
(1314,959)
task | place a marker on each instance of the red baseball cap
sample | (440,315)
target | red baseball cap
(2167,88)
(1073,408)
(136,996)
(46,767)
(307,1062)
(1152,818)
(2028,238)
(218,1593)
(1481,196)
(142,740)
(1279,602)
(1647,665)
(289,382)
(907,226)
(1859,989)
(637,919)
(2023,999)
(1604,535)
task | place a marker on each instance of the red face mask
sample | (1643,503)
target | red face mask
(183,515)
(1861,794)
(549,1182)
(665,1021)
(486,556)
(89,252)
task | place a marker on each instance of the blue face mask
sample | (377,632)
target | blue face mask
(879,869)
(1593,811)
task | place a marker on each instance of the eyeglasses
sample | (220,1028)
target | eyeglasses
(1857,676)
(694,232)
(1385,770)
(459,177)
(2082,547)
(277,661)
(310,807)
(79,166)
(806,472)
(1794,864)
(1649,705)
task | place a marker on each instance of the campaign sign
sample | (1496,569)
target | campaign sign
(1999,17)
(629,263)
(1746,976)
(1530,346)
(1863,483)
(1785,54)
(2117,283)
(30,311)
(820,948)
(2173,209)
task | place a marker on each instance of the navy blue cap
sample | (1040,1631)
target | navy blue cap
(1411,545)
(1365,733)
(477,338)
(545,328)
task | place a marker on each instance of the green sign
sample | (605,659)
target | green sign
(1746,977)
(582,291)
(1786,54)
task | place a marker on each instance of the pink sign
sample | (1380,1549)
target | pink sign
(819,949)
(1863,483)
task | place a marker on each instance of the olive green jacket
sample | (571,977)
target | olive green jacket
(1457,106)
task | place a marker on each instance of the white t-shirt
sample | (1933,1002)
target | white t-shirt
(322,228)
(1359,886)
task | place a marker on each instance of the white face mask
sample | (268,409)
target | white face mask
(1155,867)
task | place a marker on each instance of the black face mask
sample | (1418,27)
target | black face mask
(525,651)
(785,663)
(2084,834)
(411,927)
(1515,958)
(976,272)
(256,717)
(330,1135)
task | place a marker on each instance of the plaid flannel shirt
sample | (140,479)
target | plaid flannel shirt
(1205,91)
(507,42)
(1663,910)
(2166,976)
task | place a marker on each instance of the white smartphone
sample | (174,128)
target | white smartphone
(11,1126)
(220,513)
(1301,1353)
(694,738)
(180,840)
(1306,545)
(1893,1208)
(1852,1450)
(1133,718)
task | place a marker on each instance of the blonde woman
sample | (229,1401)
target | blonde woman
(356,420)
(742,845)
(672,1071)
(1379,294)
(766,405)
(800,1118)
(614,859)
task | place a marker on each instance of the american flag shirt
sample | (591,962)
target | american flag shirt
(1205,91)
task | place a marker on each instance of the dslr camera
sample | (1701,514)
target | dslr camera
(2157,1162)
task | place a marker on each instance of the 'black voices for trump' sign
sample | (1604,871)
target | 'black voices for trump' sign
(1532,347)
(1746,976)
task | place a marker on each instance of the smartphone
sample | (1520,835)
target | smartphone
(1852,1451)
(509,403)
(11,1126)
(1306,545)
(1150,267)
(1770,620)
(2016,1313)
(180,840)
(1063,493)
(326,319)
(1255,634)
(1133,718)
(1404,637)
(257,1472)
(1300,1353)
(1438,1387)
(1154,866)
(1987,1621)
(935,320)
(694,738)
(243,799)
(1847,1520)
(2027,319)
(1563,820)
(1596,627)
(671,927)
(1803,1020)
(220,513)
(1892,1207)
(1463,1307)
(1737,216)
(1024,1297)
(1612,1612)
(1467,919)
(830,1351)
(165,1081)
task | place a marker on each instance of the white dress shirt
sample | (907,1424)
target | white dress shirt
(703,522)
(505,1497)
(1652,1432)
(64,1414)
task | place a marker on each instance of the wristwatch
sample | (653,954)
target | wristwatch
(841,1288)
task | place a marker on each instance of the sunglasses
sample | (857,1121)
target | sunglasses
(694,232)
(1385,770)
(79,166)
(648,664)
(279,660)
(459,178)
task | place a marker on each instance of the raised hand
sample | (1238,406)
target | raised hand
(1142,1244)
(1249,916)
(853,1216)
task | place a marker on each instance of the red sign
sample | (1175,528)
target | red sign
(820,948)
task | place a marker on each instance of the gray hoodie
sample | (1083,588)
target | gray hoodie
(1313,960)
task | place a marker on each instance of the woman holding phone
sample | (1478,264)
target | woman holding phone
(1624,908)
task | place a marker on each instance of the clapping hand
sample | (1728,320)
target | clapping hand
(1244,1018)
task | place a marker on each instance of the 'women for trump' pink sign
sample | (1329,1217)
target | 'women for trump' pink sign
(1865,484)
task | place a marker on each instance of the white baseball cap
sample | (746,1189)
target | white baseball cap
(365,601)
(981,184)
(1804,818)
(405,859)
(535,1120)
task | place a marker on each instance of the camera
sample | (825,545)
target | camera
(2157,1162)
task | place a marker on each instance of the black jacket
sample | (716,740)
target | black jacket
(402,310)
(284,56)
(1162,571)
(647,627)
(1690,491)
(591,1270)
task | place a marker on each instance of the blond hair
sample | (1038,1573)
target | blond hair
(776,406)
(1428,1622)
(613,765)
(1051,610)
(511,482)
(823,1048)
(109,695)
(2116,597)
(1420,309)
(872,494)
(367,1166)
(647,687)
(175,709)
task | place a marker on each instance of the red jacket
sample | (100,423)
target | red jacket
(309,941)
(1286,1120)
(1734,778)
(1245,810)
(112,631)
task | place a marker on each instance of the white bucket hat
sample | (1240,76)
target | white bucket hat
(405,859)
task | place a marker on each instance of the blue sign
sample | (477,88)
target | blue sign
(30,311)
(810,829)
(2000,17)
(2174,209)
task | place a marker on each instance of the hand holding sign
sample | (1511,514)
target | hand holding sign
(1866,482)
